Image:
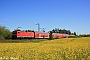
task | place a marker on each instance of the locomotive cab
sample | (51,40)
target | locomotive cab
(14,34)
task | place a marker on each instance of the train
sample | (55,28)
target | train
(36,35)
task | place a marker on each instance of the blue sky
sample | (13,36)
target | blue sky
(72,15)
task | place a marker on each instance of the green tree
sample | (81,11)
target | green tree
(60,31)
(5,33)
(50,35)
(53,31)
(74,33)
(69,32)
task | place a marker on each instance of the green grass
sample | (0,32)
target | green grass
(23,41)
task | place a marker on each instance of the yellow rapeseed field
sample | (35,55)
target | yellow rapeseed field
(58,49)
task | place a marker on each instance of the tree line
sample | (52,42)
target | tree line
(84,35)
(63,31)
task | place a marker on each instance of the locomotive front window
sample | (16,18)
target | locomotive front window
(14,32)
(18,32)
